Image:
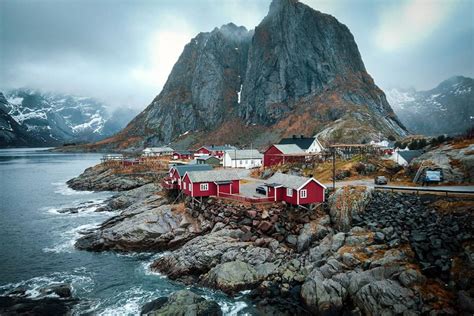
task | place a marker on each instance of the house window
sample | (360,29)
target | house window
(289,192)
(204,186)
(304,194)
(184,185)
(179,181)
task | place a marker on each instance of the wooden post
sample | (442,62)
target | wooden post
(334,169)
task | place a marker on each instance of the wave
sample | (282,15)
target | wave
(77,208)
(68,239)
(78,279)
(64,189)
(128,302)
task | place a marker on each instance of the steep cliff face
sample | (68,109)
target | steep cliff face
(299,72)
(296,51)
(202,89)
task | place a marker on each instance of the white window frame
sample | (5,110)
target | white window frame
(304,194)
(289,192)
(184,185)
(179,181)
(204,186)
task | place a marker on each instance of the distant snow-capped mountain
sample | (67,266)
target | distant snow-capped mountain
(54,119)
(446,109)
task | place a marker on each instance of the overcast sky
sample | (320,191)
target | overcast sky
(122,51)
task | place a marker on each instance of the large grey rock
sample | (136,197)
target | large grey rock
(346,203)
(143,227)
(311,231)
(321,295)
(385,297)
(182,303)
(200,254)
(103,178)
(231,277)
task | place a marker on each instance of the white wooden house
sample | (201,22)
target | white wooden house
(157,151)
(242,158)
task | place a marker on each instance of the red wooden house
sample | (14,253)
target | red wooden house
(210,183)
(295,190)
(280,154)
(176,174)
(182,155)
(217,151)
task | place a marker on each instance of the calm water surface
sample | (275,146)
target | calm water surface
(36,241)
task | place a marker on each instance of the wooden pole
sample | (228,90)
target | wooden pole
(334,169)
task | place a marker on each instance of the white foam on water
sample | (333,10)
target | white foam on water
(145,266)
(233,309)
(68,239)
(63,189)
(128,302)
(78,279)
(83,208)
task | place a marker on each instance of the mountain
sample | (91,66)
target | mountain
(298,72)
(446,109)
(52,119)
(13,134)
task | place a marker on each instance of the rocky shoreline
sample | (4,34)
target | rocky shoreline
(362,253)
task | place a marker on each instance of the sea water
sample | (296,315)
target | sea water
(37,240)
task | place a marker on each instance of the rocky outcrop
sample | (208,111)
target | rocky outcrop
(182,303)
(55,299)
(435,235)
(105,178)
(144,227)
(231,277)
(455,160)
(348,203)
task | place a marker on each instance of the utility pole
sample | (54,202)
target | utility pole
(333,169)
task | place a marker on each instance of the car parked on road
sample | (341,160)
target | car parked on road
(380,180)
(261,190)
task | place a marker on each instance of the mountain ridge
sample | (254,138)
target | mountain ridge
(445,109)
(52,119)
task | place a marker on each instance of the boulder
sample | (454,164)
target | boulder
(311,231)
(323,296)
(143,227)
(231,277)
(200,254)
(347,202)
(385,297)
(182,303)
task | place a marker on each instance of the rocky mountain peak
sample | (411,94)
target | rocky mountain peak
(299,72)
(278,5)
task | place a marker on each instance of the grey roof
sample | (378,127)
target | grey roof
(287,181)
(302,142)
(409,155)
(213,176)
(183,169)
(220,148)
(183,152)
(245,154)
(206,157)
(288,149)
(158,149)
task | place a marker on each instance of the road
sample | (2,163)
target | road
(370,183)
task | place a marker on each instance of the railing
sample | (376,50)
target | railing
(169,184)
(418,190)
(241,198)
